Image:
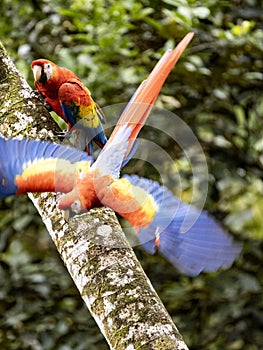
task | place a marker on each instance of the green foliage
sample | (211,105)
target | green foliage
(217,90)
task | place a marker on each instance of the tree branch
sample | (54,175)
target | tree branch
(93,247)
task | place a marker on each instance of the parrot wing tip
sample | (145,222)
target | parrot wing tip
(189,238)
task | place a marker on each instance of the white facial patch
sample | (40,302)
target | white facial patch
(48,70)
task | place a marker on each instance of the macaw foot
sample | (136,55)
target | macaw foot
(37,95)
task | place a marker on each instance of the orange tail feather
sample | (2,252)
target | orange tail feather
(139,108)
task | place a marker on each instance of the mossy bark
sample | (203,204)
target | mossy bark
(93,247)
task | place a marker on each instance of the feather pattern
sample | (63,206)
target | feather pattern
(110,159)
(25,156)
(203,247)
(140,105)
(72,101)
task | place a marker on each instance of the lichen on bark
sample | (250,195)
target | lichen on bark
(93,247)
(22,113)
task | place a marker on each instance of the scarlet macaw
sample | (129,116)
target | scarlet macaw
(156,214)
(72,101)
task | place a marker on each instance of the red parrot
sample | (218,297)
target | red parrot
(72,101)
(158,216)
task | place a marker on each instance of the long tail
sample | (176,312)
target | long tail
(202,246)
(140,105)
(37,166)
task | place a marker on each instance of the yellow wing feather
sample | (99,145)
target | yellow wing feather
(50,175)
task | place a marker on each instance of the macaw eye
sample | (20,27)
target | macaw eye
(48,71)
(76,206)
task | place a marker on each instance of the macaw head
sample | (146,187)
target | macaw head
(43,70)
(74,201)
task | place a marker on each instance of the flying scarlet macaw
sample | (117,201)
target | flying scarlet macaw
(72,101)
(159,218)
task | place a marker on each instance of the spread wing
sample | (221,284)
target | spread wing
(30,165)
(136,112)
(140,105)
(189,238)
(110,159)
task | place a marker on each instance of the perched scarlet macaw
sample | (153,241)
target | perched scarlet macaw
(72,101)
(158,217)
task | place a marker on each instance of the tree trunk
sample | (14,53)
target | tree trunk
(93,247)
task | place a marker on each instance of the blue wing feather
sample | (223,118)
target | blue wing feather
(70,114)
(203,247)
(16,154)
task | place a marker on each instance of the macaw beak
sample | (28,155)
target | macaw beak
(39,75)
(66,214)
(37,72)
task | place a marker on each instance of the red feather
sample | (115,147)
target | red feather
(139,108)
(72,101)
(49,89)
